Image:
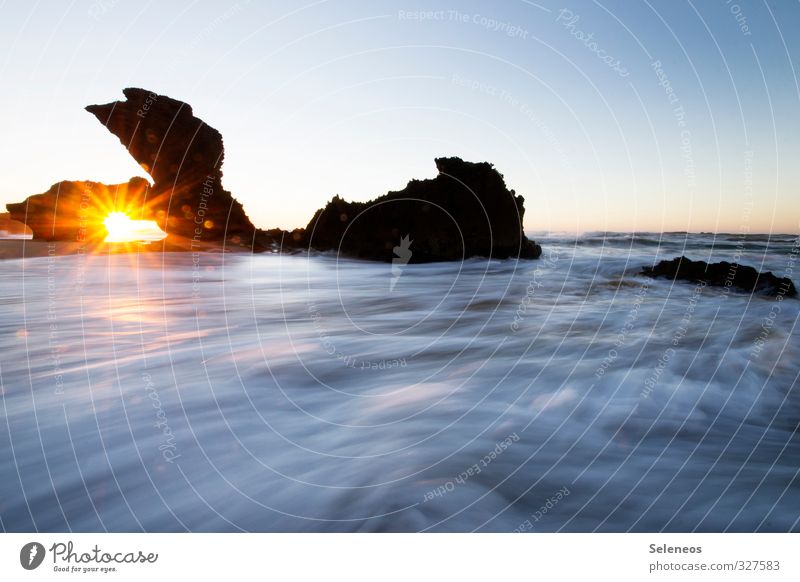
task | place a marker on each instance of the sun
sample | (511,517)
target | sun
(122,229)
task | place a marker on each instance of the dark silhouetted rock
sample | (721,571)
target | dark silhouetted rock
(75,210)
(465,211)
(723,274)
(184,156)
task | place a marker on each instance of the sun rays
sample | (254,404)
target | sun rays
(122,229)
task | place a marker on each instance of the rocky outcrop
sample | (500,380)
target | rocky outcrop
(184,156)
(465,211)
(723,274)
(11,227)
(74,210)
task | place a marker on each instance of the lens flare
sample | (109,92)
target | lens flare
(122,229)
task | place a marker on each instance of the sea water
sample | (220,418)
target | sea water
(308,392)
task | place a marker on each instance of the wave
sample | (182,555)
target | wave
(306,393)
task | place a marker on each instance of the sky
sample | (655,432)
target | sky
(653,115)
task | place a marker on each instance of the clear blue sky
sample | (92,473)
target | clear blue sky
(356,98)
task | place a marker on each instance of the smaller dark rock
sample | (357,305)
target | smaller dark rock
(723,274)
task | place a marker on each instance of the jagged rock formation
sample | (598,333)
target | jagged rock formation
(723,274)
(465,211)
(184,156)
(74,210)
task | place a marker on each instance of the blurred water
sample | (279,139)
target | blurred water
(306,393)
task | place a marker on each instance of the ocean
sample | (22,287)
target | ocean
(236,392)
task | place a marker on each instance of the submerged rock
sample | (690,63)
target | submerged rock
(465,211)
(184,156)
(723,274)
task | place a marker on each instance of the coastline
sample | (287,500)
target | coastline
(11,249)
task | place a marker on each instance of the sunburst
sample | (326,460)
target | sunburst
(122,229)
